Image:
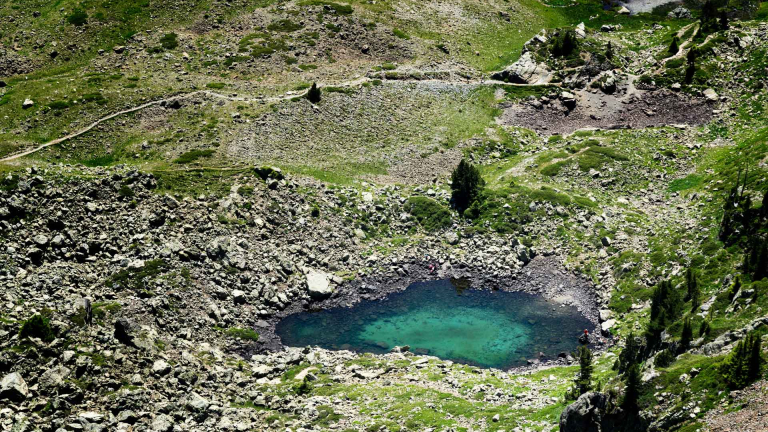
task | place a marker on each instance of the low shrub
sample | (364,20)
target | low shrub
(429,213)
(38,326)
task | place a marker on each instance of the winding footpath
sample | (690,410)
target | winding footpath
(274,99)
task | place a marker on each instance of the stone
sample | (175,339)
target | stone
(318,284)
(606,327)
(162,423)
(118,49)
(28,103)
(452,238)
(568,99)
(13,388)
(624,11)
(195,402)
(711,95)
(680,13)
(238,296)
(584,414)
(161,368)
(53,378)
(606,241)
(132,334)
(524,71)
(581,31)
(127,416)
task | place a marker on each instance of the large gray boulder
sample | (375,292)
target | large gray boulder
(53,378)
(318,284)
(524,71)
(584,415)
(132,334)
(13,388)
(596,412)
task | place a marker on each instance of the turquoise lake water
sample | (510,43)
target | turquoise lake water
(478,327)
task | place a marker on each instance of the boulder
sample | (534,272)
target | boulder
(161,368)
(568,99)
(524,71)
(318,284)
(162,423)
(584,415)
(711,95)
(195,402)
(53,378)
(13,388)
(680,13)
(452,238)
(605,327)
(132,334)
(28,103)
(624,11)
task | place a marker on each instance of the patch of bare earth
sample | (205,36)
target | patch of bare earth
(752,415)
(637,109)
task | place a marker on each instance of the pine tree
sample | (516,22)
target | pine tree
(584,381)
(314,94)
(764,206)
(466,185)
(734,289)
(674,47)
(694,292)
(687,335)
(630,355)
(755,359)
(690,69)
(704,328)
(632,390)
(744,363)
(760,269)
(666,308)
(723,20)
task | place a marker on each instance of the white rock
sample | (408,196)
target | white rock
(711,95)
(13,387)
(318,284)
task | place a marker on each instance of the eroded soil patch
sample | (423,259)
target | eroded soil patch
(635,109)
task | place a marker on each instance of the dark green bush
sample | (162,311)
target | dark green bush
(38,326)
(284,25)
(169,41)
(431,215)
(192,156)
(125,191)
(77,18)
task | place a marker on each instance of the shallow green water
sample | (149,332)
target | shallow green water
(479,327)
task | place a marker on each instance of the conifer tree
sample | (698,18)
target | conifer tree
(314,94)
(584,381)
(690,69)
(744,363)
(694,293)
(723,21)
(632,390)
(466,185)
(674,47)
(687,335)
(734,289)
(755,359)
